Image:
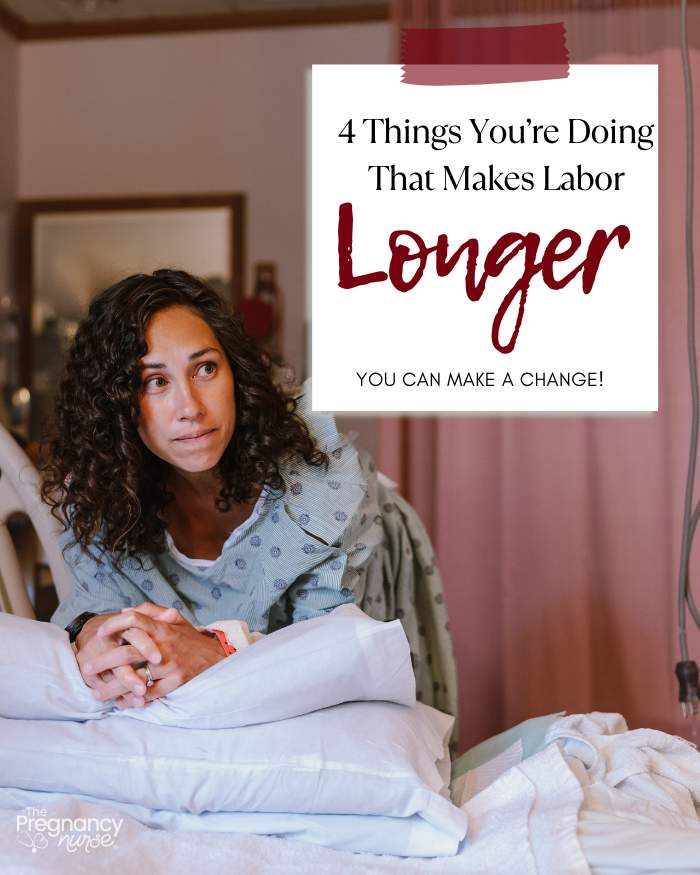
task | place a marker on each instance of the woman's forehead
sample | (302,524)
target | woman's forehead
(178,329)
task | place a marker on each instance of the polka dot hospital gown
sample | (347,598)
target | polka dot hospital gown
(338,535)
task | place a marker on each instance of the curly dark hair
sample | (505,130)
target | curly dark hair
(100,480)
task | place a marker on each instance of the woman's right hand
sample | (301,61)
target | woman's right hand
(120,682)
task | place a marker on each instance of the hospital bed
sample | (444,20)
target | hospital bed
(557,794)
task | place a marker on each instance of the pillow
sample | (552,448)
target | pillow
(340,657)
(362,758)
(39,676)
(400,836)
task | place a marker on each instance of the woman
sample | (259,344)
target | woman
(188,481)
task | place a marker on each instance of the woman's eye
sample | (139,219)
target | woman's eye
(207,369)
(155,383)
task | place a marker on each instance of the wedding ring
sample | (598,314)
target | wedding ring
(149,677)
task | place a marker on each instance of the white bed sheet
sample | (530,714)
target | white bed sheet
(616,844)
(611,847)
(535,819)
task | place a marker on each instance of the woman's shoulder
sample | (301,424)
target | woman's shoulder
(323,499)
(94,557)
(321,425)
(86,563)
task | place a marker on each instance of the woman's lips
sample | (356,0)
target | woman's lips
(195,436)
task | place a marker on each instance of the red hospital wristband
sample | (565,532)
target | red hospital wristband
(223,641)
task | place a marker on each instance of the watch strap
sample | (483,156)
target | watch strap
(74,628)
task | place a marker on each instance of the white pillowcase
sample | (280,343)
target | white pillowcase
(39,676)
(344,656)
(401,836)
(367,758)
(341,657)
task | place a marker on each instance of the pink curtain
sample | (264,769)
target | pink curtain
(558,537)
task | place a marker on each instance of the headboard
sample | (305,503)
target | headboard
(19,493)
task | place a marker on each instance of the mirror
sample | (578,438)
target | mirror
(69,250)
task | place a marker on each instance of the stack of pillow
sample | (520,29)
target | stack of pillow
(313,732)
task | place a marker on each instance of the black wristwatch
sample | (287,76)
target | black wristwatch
(73,629)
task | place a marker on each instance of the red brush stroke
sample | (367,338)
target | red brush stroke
(479,55)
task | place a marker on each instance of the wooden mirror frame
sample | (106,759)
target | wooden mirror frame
(28,210)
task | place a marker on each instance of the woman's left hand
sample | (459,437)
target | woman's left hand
(185,651)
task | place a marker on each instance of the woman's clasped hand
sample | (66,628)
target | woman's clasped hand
(114,649)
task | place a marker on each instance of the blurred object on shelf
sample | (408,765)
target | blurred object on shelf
(8,357)
(20,412)
(52,335)
(261,313)
(8,340)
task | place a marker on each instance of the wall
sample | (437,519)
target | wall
(8,151)
(187,113)
(8,179)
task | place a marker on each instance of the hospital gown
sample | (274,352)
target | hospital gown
(337,535)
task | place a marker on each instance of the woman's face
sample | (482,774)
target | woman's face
(187,408)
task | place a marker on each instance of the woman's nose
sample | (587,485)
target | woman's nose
(189,403)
